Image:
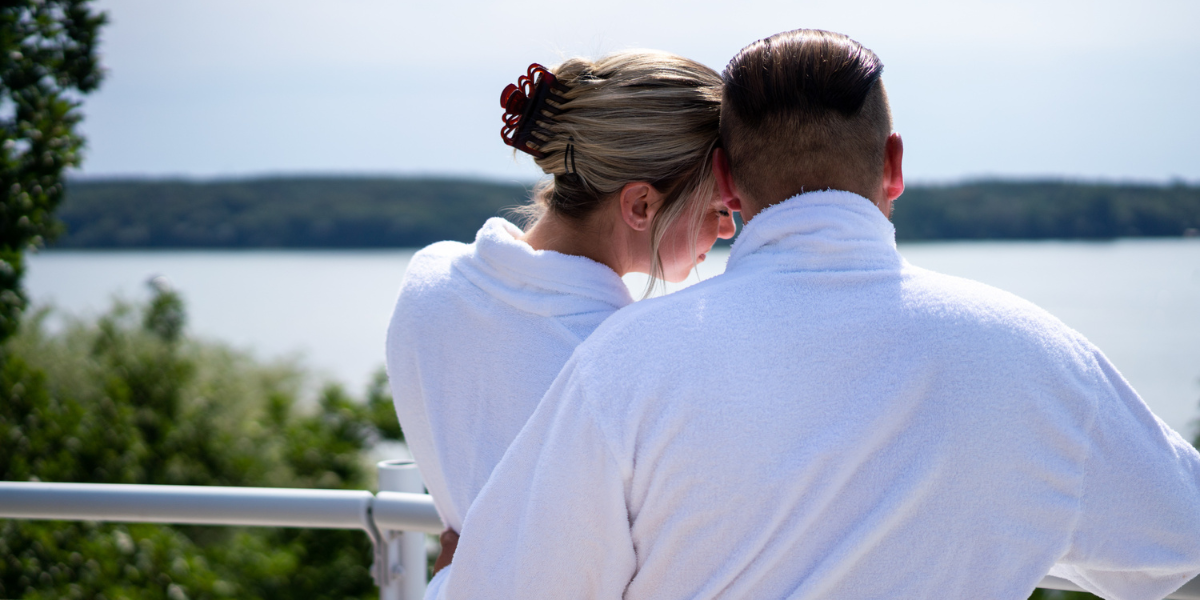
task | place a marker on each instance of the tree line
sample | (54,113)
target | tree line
(357,212)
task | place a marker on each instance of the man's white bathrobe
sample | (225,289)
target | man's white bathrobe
(825,420)
(478,334)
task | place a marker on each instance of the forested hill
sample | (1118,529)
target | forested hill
(329,212)
(1046,210)
(293,212)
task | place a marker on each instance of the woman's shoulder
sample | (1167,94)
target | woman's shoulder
(439,253)
(433,266)
(435,262)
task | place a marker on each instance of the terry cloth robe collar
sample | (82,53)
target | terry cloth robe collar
(829,230)
(542,282)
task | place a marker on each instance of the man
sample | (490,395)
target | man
(825,420)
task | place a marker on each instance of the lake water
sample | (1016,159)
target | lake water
(1138,300)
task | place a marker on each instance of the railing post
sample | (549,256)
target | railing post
(406,550)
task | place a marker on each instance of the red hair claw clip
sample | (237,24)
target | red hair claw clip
(525,107)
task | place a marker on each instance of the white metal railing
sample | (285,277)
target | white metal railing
(396,519)
(188,505)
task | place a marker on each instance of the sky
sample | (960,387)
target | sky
(1091,90)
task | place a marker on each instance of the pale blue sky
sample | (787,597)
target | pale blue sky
(203,88)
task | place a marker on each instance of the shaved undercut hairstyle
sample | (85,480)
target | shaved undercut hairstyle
(801,111)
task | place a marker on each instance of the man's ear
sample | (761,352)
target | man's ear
(724,177)
(893,167)
(639,201)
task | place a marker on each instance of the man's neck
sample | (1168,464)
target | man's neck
(750,208)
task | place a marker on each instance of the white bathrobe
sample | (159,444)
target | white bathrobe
(478,334)
(825,421)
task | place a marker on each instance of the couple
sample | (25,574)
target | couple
(823,420)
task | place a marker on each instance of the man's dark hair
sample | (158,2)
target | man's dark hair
(804,110)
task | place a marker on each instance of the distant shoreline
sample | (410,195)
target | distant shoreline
(721,246)
(347,212)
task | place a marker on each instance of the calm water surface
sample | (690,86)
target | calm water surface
(1138,300)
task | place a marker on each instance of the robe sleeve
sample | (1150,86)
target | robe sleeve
(1137,534)
(552,522)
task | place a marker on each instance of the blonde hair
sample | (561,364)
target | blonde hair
(631,116)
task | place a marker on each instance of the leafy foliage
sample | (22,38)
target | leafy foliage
(1040,594)
(48,57)
(130,399)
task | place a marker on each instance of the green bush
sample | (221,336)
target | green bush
(128,398)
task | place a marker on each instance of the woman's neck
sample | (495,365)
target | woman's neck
(594,237)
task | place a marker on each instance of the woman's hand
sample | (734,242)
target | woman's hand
(449,543)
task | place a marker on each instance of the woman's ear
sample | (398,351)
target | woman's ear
(639,202)
(724,177)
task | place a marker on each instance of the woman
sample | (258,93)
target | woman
(480,331)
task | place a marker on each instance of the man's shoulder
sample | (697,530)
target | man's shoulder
(947,291)
(965,304)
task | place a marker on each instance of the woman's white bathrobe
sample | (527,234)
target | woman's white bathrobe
(824,421)
(479,332)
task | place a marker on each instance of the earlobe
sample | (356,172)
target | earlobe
(724,177)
